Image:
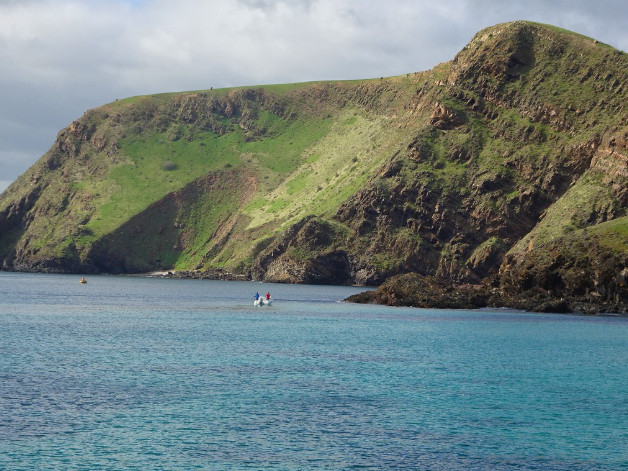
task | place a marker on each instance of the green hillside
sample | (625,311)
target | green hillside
(466,172)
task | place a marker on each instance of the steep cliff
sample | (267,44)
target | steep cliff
(510,154)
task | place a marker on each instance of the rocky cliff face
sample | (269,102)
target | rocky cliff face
(487,166)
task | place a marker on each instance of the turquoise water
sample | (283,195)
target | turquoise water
(147,374)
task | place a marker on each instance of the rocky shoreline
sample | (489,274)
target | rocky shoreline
(197,275)
(414,290)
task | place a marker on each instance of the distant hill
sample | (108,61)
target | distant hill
(507,167)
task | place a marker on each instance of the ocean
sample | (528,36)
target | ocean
(163,374)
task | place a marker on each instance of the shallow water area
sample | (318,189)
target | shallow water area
(149,373)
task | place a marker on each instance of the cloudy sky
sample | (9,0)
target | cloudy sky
(61,57)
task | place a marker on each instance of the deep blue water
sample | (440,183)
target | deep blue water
(148,374)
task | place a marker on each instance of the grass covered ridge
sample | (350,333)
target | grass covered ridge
(514,144)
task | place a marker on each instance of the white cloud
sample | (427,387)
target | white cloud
(61,57)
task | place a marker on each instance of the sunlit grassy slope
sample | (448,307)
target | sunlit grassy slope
(306,147)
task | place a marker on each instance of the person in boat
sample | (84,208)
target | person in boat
(256,296)
(267,296)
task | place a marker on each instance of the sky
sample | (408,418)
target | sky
(60,58)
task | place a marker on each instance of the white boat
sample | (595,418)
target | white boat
(262,301)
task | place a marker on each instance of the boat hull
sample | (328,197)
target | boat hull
(263,302)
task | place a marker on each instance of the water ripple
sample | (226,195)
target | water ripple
(166,374)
